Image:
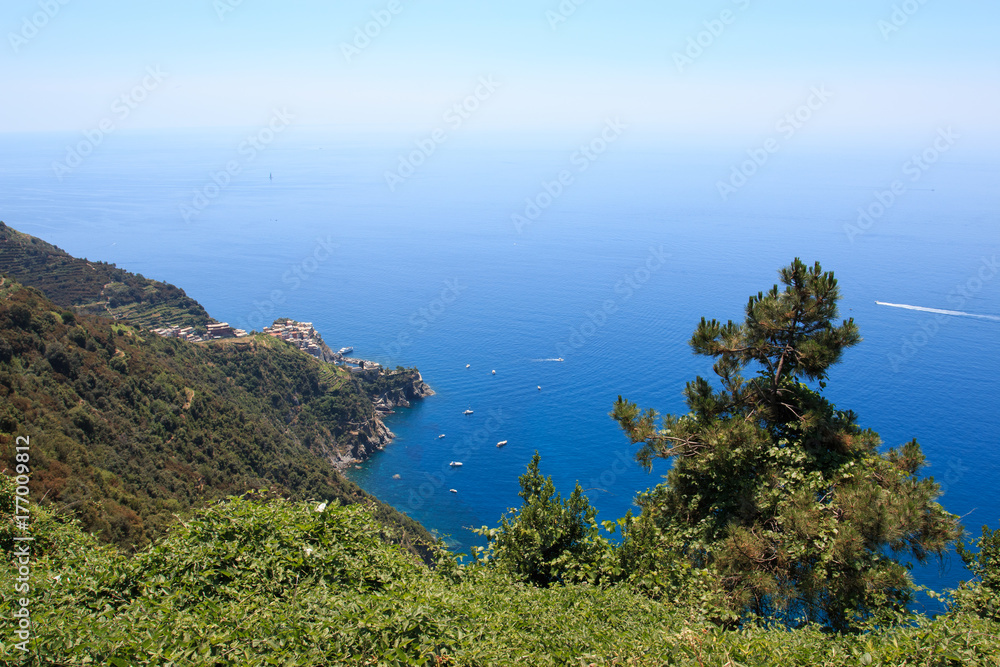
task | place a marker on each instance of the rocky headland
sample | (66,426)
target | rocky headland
(388,390)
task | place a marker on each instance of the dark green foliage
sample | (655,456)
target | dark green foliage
(652,560)
(549,540)
(249,583)
(983,596)
(783,498)
(95,287)
(129,429)
(317,544)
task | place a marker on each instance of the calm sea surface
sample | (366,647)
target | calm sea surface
(612,275)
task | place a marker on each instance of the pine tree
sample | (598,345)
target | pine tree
(783,497)
(549,540)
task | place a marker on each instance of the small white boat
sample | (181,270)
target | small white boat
(453,490)
(539,387)
(560,359)
(467,412)
(468,365)
(441,436)
(455,464)
(494,372)
(501,443)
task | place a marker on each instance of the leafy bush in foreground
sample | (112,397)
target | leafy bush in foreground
(254,582)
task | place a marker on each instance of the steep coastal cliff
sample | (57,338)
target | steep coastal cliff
(388,390)
(133,427)
(412,388)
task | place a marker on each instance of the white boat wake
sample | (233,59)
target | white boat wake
(957,313)
(560,359)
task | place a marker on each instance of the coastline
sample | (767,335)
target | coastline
(376,435)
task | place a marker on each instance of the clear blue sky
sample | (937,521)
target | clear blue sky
(608,58)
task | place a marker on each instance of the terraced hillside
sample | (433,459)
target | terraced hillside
(95,287)
(129,429)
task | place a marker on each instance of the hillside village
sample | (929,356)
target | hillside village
(300,334)
(215,331)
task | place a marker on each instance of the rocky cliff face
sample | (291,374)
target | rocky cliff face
(326,354)
(400,396)
(367,440)
(403,389)
(419,388)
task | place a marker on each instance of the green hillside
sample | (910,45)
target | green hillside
(129,428)
(248,583)
(95,287)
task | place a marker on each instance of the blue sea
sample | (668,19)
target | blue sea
(609,269)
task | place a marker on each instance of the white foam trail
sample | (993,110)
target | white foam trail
(546,359)
(957,313)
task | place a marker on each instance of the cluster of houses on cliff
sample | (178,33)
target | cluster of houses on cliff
(306,338)
(300,334)
(215,331)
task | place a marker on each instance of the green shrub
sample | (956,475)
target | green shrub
(549,540)
(981,597)
(251,582)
